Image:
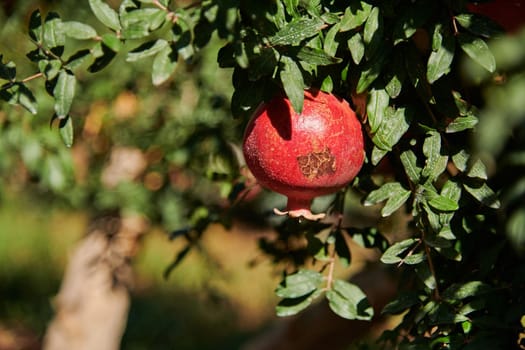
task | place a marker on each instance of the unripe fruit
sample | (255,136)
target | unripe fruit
(305,155)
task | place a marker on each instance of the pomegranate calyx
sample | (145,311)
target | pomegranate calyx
(298,213)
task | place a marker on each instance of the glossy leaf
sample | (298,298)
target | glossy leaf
(461,124)
(383,193)
(440,61)
(395,201)
(292,80)
(378,101)
(394,125)
(296,31)
(435,163)
(409,161)
(478,50)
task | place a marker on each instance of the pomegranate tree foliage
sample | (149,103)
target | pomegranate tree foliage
(444,110)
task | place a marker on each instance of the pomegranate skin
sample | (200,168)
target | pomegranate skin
(305,155)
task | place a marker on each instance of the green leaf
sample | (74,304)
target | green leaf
(105,14)
(377,154)
(478,50)
(314,56)
(293,84)
(348,301)
(440,61)
(342,249)
(64,92)
(435,163)
(112,42)
(289,307)
(65,127)
(395,201)
(373,32)
(478,170)
(394,125)
(103,59)
(478,25)
(26,99)
(356,14)
(370,72)
(484,194)
(443,203)
(460,291)
(378,101)
(78,30)
(409,161)
(50,68)
(76,59)
(391,255)
(7,70)
(462,123)
(35,26)
(164,65)
(147,49)
(301,283)
(451,190)
(297,30)
(330,45)
(382,193)
(356,46)
(54,34)
(460,160)
(328,84)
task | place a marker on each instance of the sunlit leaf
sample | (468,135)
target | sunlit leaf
(478,50)
(105,14)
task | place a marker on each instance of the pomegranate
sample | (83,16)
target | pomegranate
(302,156)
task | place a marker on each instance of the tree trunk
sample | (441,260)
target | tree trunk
(92,305)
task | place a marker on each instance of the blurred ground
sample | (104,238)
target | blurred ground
(213,300)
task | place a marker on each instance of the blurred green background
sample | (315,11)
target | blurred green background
(49,193)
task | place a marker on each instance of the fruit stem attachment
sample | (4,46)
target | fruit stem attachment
(299,207)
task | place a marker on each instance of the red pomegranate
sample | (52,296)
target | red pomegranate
(305,155)
(510,14)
